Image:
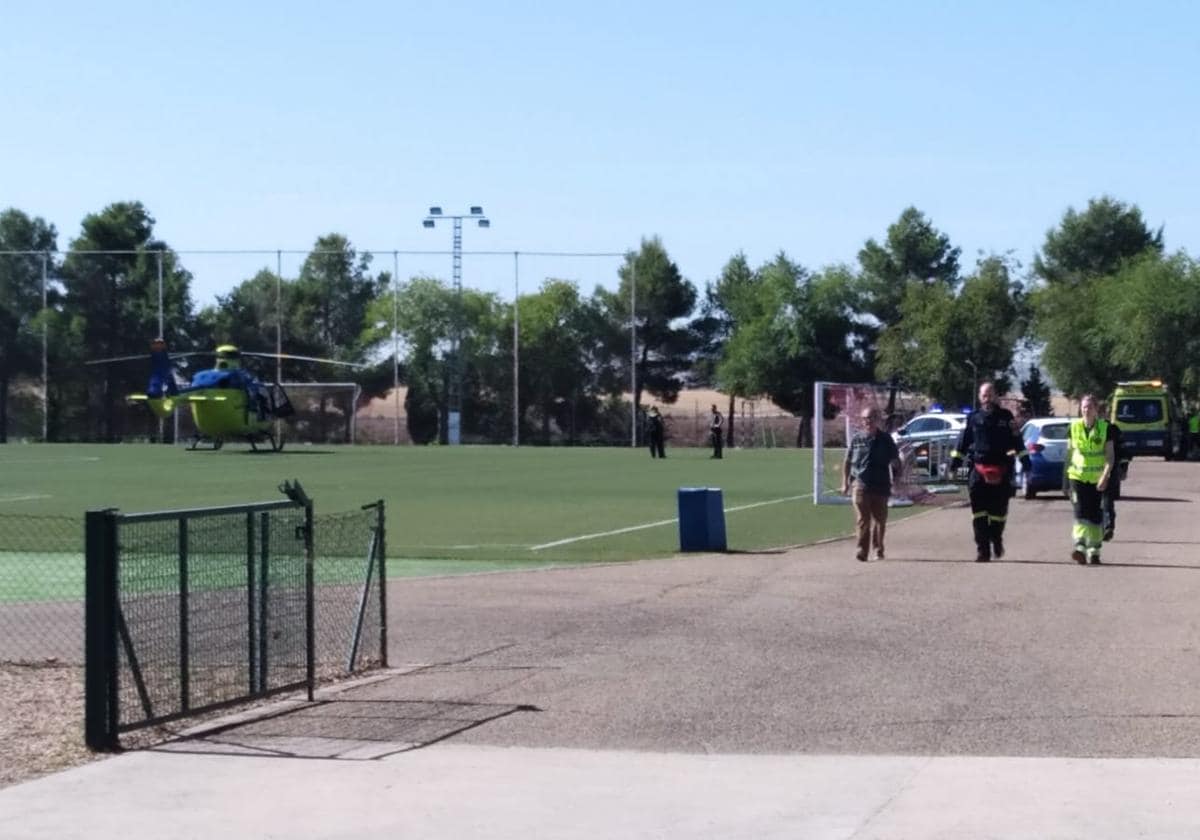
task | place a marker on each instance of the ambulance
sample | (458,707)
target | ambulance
(1148,418)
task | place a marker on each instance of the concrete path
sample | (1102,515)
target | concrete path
(791,694)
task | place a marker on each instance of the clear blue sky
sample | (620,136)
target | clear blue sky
(755,127)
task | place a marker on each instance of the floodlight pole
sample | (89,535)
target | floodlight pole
(159,255)
(279,316)
(396,345)
(162,438)
(45,352)
(516,348)
(454,397)
(633,353)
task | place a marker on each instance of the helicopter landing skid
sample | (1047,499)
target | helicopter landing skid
(212,443)
(276,442)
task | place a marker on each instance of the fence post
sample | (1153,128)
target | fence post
(101,713)
(310,619)
(383,638)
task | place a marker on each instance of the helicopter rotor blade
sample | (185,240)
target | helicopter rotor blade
(111,359)
(304,359)
(144,357)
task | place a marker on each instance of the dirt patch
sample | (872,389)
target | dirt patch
(41,720)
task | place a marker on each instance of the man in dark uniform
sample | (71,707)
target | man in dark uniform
(655,433)
(989,444)
(715,431)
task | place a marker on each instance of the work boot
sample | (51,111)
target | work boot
(982,556)
(1079,557)
(1095,559)
(1108,534)
(998,547)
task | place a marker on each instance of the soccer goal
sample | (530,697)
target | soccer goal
(325,411)
(925,476)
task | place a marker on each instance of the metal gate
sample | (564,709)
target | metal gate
(188,611)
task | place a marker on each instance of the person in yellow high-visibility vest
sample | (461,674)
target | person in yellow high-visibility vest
(1091,459)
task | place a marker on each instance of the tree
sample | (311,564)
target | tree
(1151,307)
(1094,243)
(112,300)
(940,331)
(21,300)
(1069,312)
(663,298)
(914,252)
(1035,395)
(715,327)
(791,329)
(555,376)
(426,310)
(333,292)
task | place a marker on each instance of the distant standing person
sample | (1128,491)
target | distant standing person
(871,460)
(715,430)
(1091,458)
(989,444)
(655,433)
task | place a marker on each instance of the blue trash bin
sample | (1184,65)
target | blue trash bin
(701,519)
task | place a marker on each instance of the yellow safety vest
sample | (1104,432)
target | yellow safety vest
(1194,424)
(1087,451)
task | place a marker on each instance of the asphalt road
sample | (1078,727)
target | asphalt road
(809,651)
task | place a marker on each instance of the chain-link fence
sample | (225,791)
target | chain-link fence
(42,584)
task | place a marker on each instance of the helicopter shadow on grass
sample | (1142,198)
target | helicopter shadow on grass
(288,452)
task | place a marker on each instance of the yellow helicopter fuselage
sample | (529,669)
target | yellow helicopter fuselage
(219,413)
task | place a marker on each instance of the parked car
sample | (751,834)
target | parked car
(1046,443)
(922,430)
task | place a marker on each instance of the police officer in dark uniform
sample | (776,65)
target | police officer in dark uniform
(989,444)
(655,433)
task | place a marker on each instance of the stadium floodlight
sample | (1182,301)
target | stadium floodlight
(454,396)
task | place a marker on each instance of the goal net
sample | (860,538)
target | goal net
(925,474)
(325,412)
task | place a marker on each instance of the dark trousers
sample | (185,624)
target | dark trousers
(989,511)
(717,443)
(1108,502)
(1087,532)
(656,445)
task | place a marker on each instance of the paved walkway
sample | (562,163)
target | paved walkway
(796,694)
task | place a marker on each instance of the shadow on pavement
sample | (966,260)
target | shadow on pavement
(1153,499)
(345,729)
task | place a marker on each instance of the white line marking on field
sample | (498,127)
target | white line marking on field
(462,547)
(660,523)
(29,498)
(71,460)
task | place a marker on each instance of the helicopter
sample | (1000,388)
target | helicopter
(227,401)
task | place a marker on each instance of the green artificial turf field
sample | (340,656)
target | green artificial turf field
(448,509)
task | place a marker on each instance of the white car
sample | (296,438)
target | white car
(925,428)
(930,426)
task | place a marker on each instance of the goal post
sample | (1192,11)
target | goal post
(925,475)
(325,412)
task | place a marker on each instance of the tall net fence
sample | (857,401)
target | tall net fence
(56,398)
(41,589)
(926,475)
